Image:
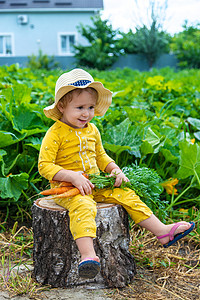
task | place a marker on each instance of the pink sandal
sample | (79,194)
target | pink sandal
(174,238)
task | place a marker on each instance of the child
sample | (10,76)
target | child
(72,146)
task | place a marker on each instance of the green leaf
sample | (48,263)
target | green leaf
(9,138)
(34,142)
(25,120)
(189,160)
(6,102)
(12,186)
(22,93)
(137,114)
(26,161)
(123,135)
(2,164)
(146,148)
(161,137)
(194,122)
(152,138)
(116,148)
(197,135)
(168,155)
(13,158)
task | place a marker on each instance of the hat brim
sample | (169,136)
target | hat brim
(103,102)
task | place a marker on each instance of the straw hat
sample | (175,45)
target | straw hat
(78,78)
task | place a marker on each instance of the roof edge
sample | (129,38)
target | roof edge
(21,10)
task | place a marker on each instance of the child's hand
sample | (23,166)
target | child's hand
(84,185)
(120,176)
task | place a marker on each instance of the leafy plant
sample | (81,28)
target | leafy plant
(122,137)
(103,49)
(128,42)
(150,42)
(41,61)
(189,167)
(186,46)
(144,181)
(21,130)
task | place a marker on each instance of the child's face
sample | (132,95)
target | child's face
(79,111)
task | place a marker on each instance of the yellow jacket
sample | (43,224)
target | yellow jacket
(77,149)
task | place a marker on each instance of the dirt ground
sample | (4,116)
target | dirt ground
(147,285)
(62,294)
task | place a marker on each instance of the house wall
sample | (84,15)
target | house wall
(41,31)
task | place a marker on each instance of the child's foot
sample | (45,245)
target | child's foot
(174,232)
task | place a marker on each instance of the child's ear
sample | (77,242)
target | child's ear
(60,106)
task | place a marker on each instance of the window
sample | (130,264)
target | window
(6,44)
(66,42)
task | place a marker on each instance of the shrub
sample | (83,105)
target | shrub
(42,61)
(186,46)
(151,42)
(104,47)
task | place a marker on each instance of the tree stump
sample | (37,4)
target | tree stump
(56,256)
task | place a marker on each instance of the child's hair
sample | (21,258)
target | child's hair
(69,96)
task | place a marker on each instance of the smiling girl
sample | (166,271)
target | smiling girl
(73,146)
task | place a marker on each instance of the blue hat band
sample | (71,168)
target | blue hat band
(80,82)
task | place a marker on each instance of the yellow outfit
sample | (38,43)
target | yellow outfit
(81,149)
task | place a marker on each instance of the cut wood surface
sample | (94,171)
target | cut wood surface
(56,256)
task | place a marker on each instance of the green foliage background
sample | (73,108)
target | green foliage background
(105,45)
(186,46)
(153,124)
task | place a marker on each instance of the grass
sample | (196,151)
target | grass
(16,263)
(171,273)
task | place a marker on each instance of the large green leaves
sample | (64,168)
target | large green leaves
(196,124)
(151,113)
(159,137)
(2,165)
(26,120)
(18,119)
(189,161)
(12,186)
(9,138)
(123,137)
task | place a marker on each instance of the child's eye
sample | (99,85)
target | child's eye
(80,107)
(91,107)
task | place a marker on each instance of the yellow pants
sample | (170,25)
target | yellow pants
(82,209)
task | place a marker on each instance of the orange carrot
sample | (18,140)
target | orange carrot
(85,175)
(54,181)
(64,183)
(56,191)
(61,183)
(73,192)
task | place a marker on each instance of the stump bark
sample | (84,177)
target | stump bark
(56,256)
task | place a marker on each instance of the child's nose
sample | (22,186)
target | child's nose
(85,112)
